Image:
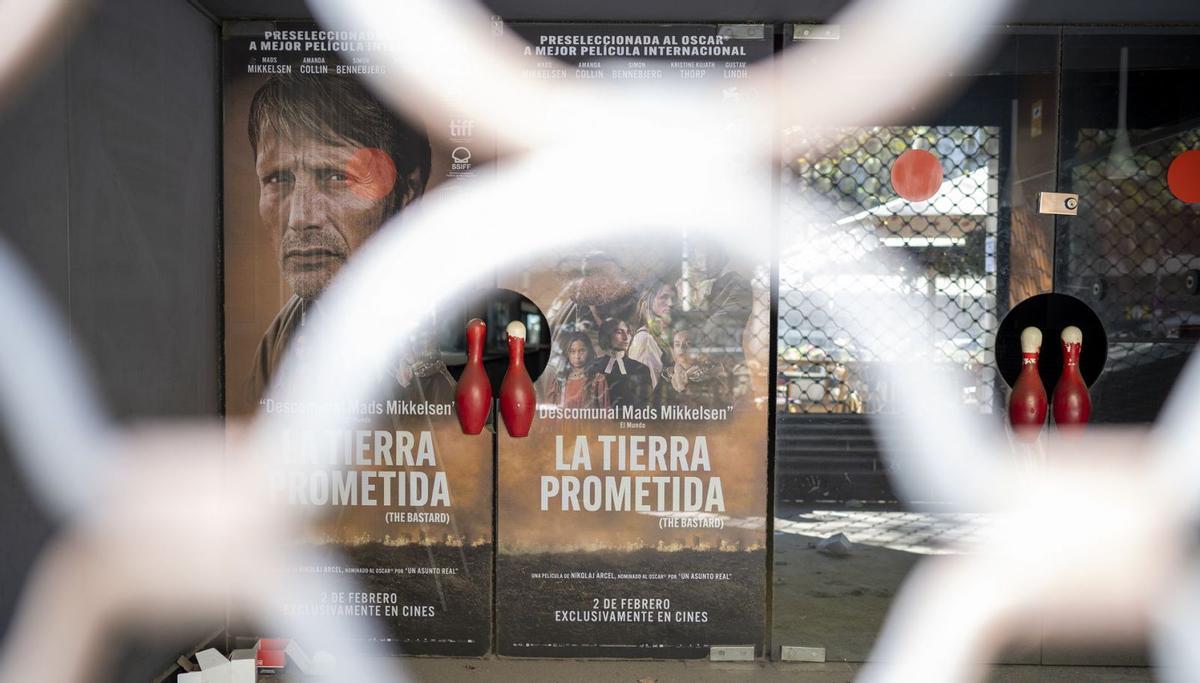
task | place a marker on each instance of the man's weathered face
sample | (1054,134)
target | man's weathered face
(320,202)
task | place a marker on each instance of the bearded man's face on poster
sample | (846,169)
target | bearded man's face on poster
(320,201)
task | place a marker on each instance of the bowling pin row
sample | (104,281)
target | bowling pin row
(473,398)
(1027,406)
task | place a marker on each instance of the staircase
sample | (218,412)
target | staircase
(829,458)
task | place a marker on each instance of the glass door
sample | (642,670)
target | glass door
(952,191)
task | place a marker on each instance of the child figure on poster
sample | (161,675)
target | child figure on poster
(580,384)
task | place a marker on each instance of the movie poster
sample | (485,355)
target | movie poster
(631,520)
(314,165)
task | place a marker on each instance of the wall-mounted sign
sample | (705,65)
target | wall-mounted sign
(314,165)
(631,518)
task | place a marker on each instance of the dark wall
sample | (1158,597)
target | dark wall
(109,189)
(143,166)
(1130,246)
(1024,11)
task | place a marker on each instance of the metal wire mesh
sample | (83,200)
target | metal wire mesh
(1133,253)
(950,241)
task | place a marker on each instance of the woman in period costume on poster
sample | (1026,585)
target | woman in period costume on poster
(651,344)
(580,384)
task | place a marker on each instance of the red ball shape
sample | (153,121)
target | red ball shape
(916,175)
(372,175)
(1183,177)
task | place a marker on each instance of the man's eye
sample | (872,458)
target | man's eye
(277,178)
(336,176)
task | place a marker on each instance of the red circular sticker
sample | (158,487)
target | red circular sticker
(372,173)
(1183,177)
(916,175)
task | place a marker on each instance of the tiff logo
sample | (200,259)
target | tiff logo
(461,128)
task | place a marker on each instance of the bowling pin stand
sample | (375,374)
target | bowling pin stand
(1051,313)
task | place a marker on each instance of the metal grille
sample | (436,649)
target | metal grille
(1133,253)
(949,239)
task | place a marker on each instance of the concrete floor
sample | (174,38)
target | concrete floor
(839,603)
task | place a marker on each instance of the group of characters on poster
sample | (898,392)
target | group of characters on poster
(640,325)
(333,165)
(663,339)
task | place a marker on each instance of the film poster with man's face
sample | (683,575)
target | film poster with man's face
(403,506)
(631,519)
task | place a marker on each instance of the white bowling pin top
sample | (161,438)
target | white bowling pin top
(516,329)
(1072,335)
(1031,340)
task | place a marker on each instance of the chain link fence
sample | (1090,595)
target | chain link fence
(1133,253)
(948,241)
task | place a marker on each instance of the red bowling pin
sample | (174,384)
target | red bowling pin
(1072,404)
(517,400)
(1027,406)
(473,398)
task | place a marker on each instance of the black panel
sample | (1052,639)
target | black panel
(109,193)
(143,137)
(1051,314)
(1059,12)
(34,191)
(33,194)
(1137,381)
(26,529)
